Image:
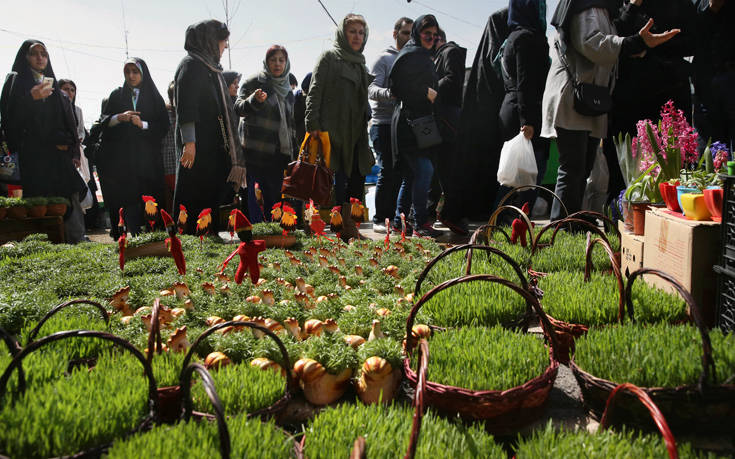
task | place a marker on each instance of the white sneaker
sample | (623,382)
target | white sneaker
(378,228)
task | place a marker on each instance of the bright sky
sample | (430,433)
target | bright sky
(86,38)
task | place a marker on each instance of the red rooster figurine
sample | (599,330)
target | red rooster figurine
(122,241)
(203,223)
(181,221)
(151,209)
(173,243)
(519,228)
(247,250)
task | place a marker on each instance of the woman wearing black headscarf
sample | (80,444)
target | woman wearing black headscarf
(413,82)
(232,80)
(525,64)
(39,123)
(206,124)
(130,163)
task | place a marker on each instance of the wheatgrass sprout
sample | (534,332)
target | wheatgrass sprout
(93,406)
(248,438)
(633,353)
(485,358)
(549,443)
(386,429)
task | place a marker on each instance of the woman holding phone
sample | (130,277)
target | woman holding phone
(130,163)
(39,124)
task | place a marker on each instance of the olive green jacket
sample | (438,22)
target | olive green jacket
(338,103)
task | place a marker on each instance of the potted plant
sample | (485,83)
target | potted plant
(630,168)
(56,206)
(640,194)
(17,208)
(36,206)
(713,195)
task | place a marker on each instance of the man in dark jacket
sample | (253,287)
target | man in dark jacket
(449,64)
(714,70)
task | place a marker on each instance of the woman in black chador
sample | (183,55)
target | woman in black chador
(130,163)
(39,123)
(211,159)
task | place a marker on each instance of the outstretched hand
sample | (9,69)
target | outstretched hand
(654,39)
(260,95)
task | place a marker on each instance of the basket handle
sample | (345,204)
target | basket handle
(154,337)
(707,360)
(534,187)
(529,297)
(14,348)
(116,340)
(656,414)
(521,214)
(469,247)
(485,231)
(418,400)
(219,412)
(57,308)
(558,224)
(291,385)
(605,220)
(616,272)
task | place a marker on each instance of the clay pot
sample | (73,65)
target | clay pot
(639,217)
(55,210)
(3,212)
(18,212)
(37,211)
(169,403)
(713,199)
(668,192)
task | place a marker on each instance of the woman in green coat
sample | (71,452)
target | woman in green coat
(338,104)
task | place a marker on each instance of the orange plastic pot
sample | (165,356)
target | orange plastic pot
(639,217)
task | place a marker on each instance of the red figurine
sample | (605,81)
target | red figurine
(183,216)
(288,219)
(357,210)
(335,220)
(247,250)
(519,228)
(203,223)
(173,243)
(122,241)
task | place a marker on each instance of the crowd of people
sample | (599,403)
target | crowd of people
(434,130)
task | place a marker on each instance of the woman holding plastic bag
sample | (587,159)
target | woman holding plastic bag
(525,65)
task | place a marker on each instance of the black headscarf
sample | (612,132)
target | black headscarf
(230,76)
(414,44)
(203,40)
(150,102)
(529,14)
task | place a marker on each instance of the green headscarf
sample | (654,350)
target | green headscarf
(342,46)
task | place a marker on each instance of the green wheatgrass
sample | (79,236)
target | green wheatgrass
(387,428)
(551,444)
(569,298)
(485,358)
(248,438)
(94,407)
(332,351)
(385,348)
(633,353)
(242,389)
(474,303)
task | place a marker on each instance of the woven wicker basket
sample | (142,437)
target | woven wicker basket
(705,406)
(503,412)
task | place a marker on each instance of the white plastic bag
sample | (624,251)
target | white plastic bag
(85,198)
(517,163)
(595,193)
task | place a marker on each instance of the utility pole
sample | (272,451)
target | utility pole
(226,5)
(125,29)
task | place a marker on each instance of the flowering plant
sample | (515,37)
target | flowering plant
(720,156)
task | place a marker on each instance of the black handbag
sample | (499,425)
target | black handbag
(589,99)
(426,131)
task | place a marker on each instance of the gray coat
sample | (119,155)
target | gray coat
(592,54)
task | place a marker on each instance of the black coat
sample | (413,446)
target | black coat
(450,70)
(715,46)
(197,101)
(130,162)
(525,65)
(34,128)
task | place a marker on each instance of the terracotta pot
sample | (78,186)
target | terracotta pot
(169,403)
(55,210)
(713,199)
(18,212)
(278,241)
(668,192)
(639,217)
(3,212)
(37,211)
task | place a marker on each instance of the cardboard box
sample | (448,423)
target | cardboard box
(686,250)
(631,251)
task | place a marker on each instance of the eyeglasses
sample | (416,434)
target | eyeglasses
(428,36)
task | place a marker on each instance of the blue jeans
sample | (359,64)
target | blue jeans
(417,172)
(386,190)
